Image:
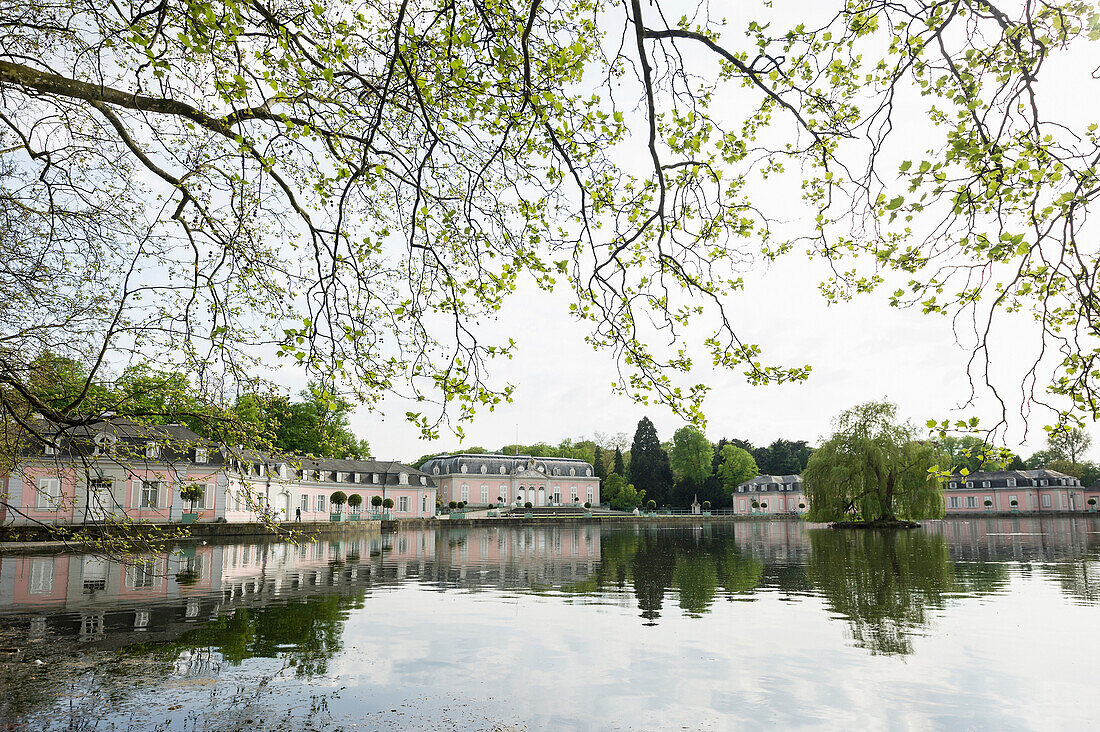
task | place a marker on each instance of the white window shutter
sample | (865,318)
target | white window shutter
(208,496)
(135,493)
(163,489)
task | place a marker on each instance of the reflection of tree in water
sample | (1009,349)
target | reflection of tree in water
(883,582)
(740,574)
(307,633)
(1079,578)
(652,567)
(695,566)
(695,577)
(980,578)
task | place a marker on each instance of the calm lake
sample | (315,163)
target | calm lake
(979,623)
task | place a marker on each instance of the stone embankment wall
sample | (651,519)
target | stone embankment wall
(10,536)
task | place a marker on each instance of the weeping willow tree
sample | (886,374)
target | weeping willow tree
(873,469)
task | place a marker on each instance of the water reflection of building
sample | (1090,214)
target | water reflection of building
(157,597)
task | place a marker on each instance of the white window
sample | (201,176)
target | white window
(1046,500)
(320,504)
(572,471)
(952,485)
(484,493)
(200,455)
(152,450)
(969,484)
(987,499)
(741,503)
(149,494)
(591,493)
(971,501)
(208,495)
(484,469)
(953,502)
(403,504)
(374,478)
(142,573)
(503,491)
(1043,482)
(1011,482)
(50,449)
(340,477)
(1012,501)
(985,484)
(41,575)
(465,494)
(403,478)
(573,493)
(502,470)
(48,494)
(462,469)
(141,619)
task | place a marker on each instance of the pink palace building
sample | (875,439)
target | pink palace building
(1027,491)
(118,470)
(771,494)
(514,480)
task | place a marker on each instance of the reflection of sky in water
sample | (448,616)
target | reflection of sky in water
(986,623)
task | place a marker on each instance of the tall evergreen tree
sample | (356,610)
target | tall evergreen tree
(620,466)
(599,464)
(649,464)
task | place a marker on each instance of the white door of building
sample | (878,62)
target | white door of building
(283,505)
(542,496)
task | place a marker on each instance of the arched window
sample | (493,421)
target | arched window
(502,470)
(403,478)
(484,493)
(462,469)
(588,472)
(435,470)
(572,471)
(484,469)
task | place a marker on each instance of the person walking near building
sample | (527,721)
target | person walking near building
(298,513)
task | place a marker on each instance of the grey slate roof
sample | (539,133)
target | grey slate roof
(494,463)
(177,444)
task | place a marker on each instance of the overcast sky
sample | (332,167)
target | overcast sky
(859,351)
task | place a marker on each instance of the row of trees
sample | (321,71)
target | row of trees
(316,423)
(692,467)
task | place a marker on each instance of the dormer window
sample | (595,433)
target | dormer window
(423,480)
(403,478)
(374,478)
(280,470)
(152,450)
(502,470)
(952,485)
(340,477)
(572,471)
(1011,483)
(50,449)
(588,472)
(462,468)
(435,470)
(200,455)
(484,469)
